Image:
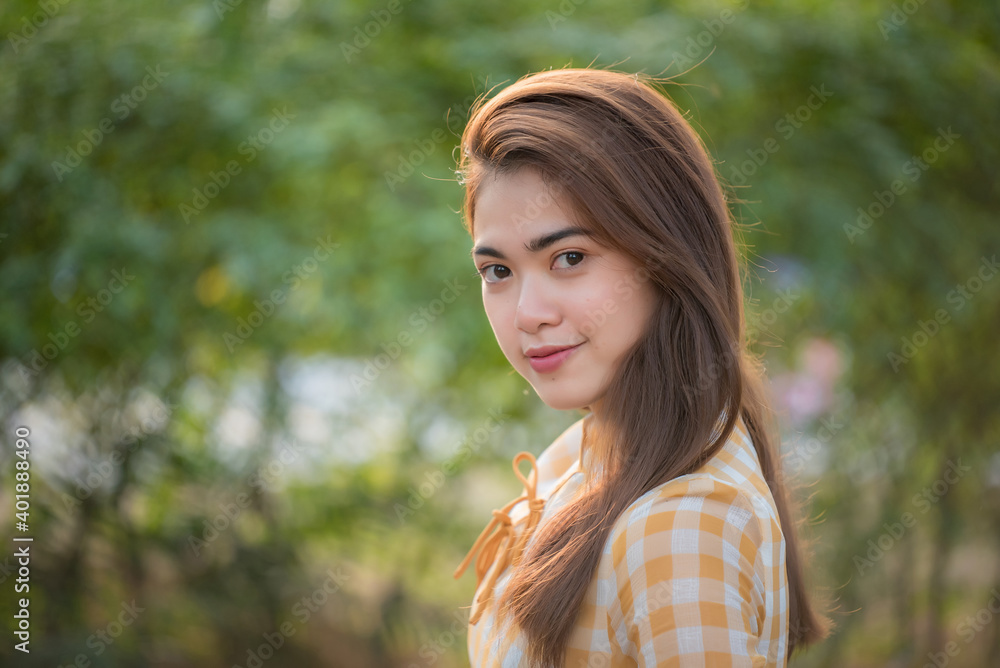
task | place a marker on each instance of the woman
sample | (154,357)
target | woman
(656,530)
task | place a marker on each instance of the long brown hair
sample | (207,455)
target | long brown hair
(640,179)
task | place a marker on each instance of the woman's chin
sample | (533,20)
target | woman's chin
(564,401)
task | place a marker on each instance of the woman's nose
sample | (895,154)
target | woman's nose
(537,305)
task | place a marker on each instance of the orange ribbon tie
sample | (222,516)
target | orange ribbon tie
(499,530)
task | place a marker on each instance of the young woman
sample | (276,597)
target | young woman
(656,530)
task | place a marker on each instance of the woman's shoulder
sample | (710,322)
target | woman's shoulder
(727,495)
(701,538)
(684,507)
(698,559)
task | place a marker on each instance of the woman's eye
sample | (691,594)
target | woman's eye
(568,259)
(492,273)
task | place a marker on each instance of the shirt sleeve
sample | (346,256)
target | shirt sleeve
(688,592)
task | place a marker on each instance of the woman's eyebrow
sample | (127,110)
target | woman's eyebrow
(535,245)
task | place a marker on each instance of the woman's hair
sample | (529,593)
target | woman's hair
(640,180)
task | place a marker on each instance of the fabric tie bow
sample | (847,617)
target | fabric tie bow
(500,530)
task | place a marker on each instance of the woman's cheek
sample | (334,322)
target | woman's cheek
(502,321)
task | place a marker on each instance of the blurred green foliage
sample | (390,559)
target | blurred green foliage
(280,425)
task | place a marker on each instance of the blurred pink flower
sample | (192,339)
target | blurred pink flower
(807,391)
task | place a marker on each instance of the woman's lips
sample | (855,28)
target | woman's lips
(551,362)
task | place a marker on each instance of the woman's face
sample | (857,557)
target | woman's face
(565,309)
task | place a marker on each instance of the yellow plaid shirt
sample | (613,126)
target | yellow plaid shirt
(692,574)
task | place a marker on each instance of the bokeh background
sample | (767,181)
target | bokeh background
(267,415)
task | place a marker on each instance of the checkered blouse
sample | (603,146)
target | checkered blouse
(692,574)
